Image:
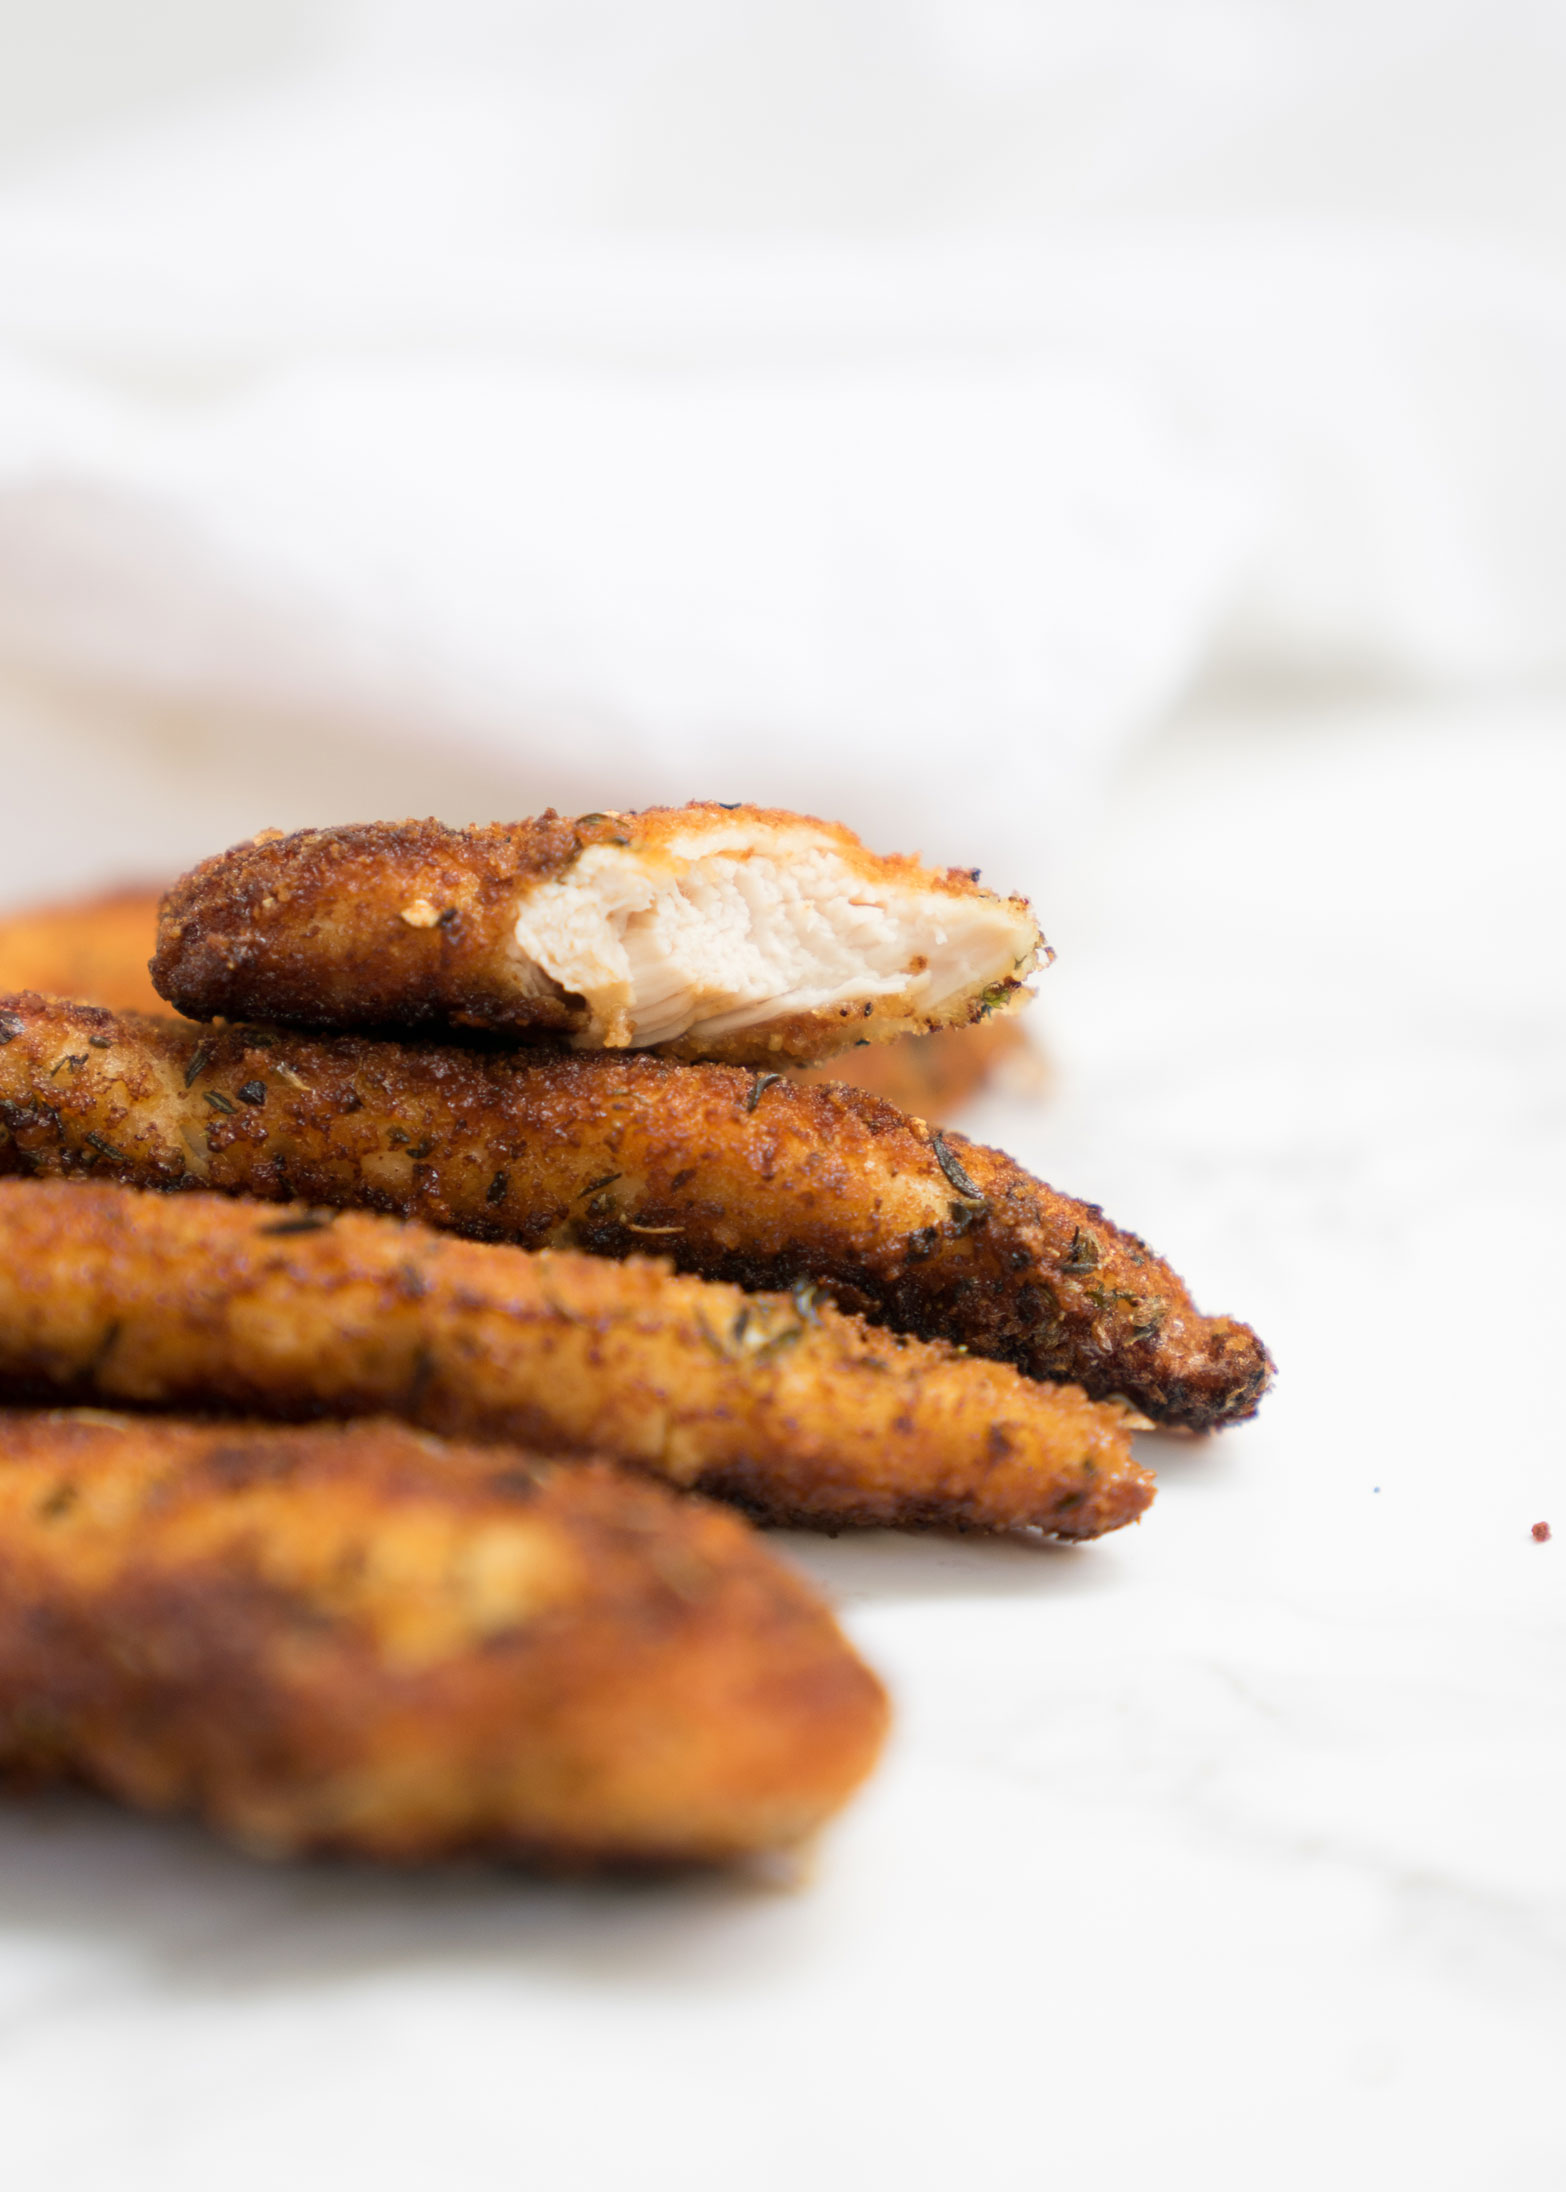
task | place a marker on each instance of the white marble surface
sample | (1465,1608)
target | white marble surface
(1227,1852)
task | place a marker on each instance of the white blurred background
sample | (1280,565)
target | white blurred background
(891,406)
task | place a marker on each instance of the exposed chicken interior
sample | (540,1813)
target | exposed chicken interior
(711,934)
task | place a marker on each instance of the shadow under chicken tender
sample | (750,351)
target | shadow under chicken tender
(732,1175)
(784,1406)
(709,931)
(361,1639)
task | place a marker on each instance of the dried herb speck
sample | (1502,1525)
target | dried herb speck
(107,1149)
(315,1221)
(219,1102)
(953,1170)
(593,1186)
(9,1029)
(515,1483)
(100,1042)
(252,1092)
(1082,1255)
(200,1059)
(759,1087)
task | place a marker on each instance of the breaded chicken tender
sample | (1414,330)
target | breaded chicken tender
(731,1174)
(704,931)
(93,948)
(784,1406)
(361,1639)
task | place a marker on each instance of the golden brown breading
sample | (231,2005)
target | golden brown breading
(364,1640)
(733,1175)
(710,932)
(787,1408)
(95,948)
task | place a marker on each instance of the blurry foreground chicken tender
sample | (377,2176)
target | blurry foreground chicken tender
(362,1639)
(739,933)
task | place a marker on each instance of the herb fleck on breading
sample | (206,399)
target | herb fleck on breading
(953,1170)
(1082,1255)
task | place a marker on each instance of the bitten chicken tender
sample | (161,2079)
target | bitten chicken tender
(781,1405)
(705,931)
(360,1639)
(731,1174)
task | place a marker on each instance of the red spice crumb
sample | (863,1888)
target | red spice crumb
(1541,1533)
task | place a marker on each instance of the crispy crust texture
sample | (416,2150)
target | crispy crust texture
(362,1639)
(409,924)
(733,1175)
(94,948)
(781,1405)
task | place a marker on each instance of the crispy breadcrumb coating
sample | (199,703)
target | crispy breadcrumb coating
(706,931)
(733,1175)
(776,1402)
(363,1639)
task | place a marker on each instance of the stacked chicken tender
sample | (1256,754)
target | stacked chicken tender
(492,1224)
